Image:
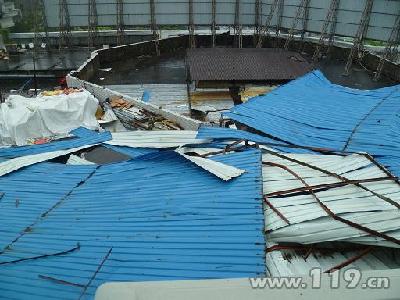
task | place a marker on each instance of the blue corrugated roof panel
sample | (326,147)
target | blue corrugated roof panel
(81,137)
(163,217)
(311,111)
(30,192)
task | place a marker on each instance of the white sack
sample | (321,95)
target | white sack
(45,116)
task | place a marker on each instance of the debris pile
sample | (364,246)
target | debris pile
(134,118)
(207,203)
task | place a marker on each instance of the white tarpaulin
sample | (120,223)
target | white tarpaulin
(23,118)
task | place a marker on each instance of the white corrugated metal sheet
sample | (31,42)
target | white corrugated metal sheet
(15,164)
(76,160)
(295,215)
(156,139)
(221,170)
(296,261)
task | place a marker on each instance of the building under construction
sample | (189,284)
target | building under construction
(204,149)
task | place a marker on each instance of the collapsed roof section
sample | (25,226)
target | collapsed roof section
(314,198)
(69,229)
(188,204)
(329,212)
(313,112)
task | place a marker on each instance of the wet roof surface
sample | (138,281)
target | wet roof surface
(170,69)
(134,221)
(245,64)
(311,111)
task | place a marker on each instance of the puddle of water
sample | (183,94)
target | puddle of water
(359,77)
(167,68)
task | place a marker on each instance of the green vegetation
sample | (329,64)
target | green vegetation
(27,22)
(5,34)
(374,43)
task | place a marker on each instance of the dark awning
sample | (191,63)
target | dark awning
(245,64)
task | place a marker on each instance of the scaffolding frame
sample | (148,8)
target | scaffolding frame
(92,23)
(65,24)
(329,20)
(237,27)
(265,31)
(301,10)
(192,37)
(120,22)
(359,38)
(391,46)
(213,22)
(153,25)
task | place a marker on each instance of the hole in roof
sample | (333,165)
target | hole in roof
(98,154)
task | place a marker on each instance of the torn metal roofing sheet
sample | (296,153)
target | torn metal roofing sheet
(155,139)
(154,218)
(15,164)
(81,137)
(313,112)
(285,261)
(221,170)
(77,160)
(245,64)
(223,134)
(314,198)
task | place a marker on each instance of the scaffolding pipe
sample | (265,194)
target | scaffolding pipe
(358,39)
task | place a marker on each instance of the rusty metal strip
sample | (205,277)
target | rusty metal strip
(95,273)
(344,179)
(382,168)
(350,260)
(325,186)
(332,214)
(312,248)
(60,281)
(228,148)
(77,247)
(276,211)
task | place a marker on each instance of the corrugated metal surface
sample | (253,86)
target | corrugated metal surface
(295,262)
(163,218)
(295,215)
(12,165)
(31,192)
(155,139)
(226,134)
(246,64)
(81,137)
(166,95)
(311,111)
(221,170)
(310,224)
